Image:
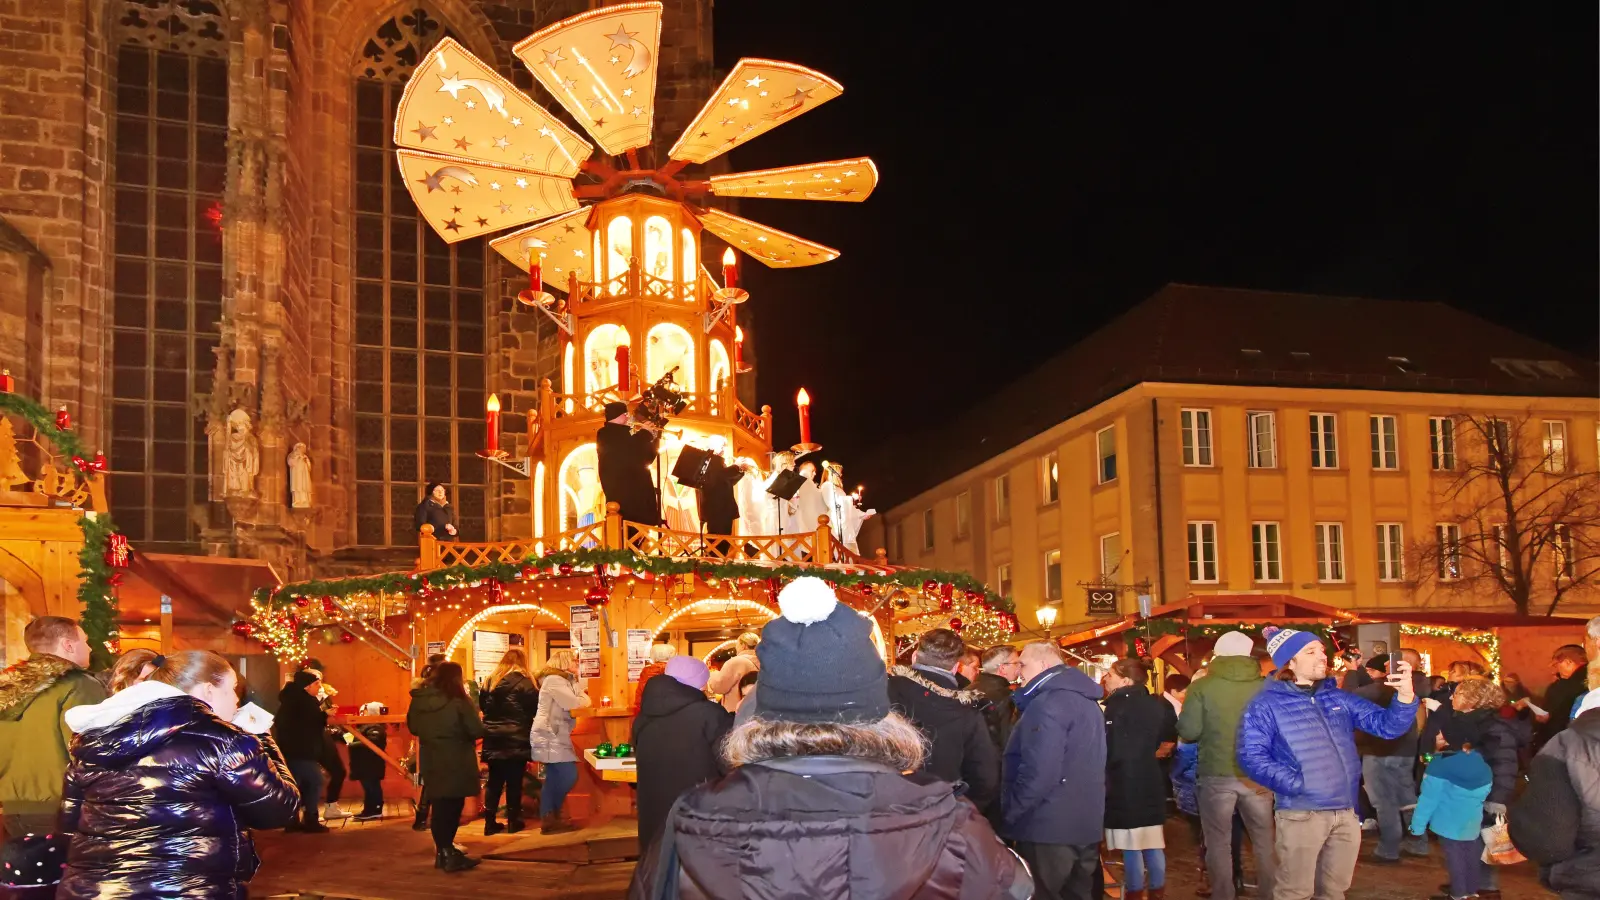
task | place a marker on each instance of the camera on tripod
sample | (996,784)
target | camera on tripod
(657,403)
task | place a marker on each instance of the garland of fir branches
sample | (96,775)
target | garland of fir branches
(99,619)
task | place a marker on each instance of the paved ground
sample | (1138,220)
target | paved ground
(389,861)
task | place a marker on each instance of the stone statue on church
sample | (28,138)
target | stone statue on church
(243,456)
(299,478)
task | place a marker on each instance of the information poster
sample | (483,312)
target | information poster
(586,639)
(638,651)
(435,647)
(487,649)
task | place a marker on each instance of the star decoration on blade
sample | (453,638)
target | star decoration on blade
(423,132)
(453,225)
(623,37)
(551,57)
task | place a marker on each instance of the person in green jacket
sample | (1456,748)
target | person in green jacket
(446,724)
(34,694)
(1211,713)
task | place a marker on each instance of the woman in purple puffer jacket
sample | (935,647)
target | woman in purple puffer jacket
(162,790)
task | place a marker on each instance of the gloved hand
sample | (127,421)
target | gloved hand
(1494,809)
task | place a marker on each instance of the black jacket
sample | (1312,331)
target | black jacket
(828,827)
(446,729)
(625,458)
(676,736)
(1001,713)
(508,712)
(718,507)
(1556,821)
(1496,739)
(363,762)
(431,513)
(953,721)
(1136,725)
(1558,701)
(158,806)
(299,724)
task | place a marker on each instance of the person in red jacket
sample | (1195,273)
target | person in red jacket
(659,654)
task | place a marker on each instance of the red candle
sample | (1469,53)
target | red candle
(730,269)
(738,349)
(803,401)
(7,383)
(535,277)
(492,424)
(624,376)
(63,419)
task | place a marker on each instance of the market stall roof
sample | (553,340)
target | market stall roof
(206,590)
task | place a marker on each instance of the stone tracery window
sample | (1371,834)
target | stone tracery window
(171,121)
(419,317)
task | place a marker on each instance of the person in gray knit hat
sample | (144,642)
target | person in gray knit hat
(818,797)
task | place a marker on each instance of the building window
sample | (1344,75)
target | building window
(1501,541)
(1110,556)
(1203,552)
(1561,544)
(1555,446)
(927,530)
(420,316)
(1106,445)
(1263,439)
(1002,578)
(963,515)
(1442,443)
(1052,575)
(1050,478)
(1196,426)
(171,138)
(1448,538)
(1385,443)
(1268,551)
(1002,498)
(1324,441)
(1330,551)
(1391,565)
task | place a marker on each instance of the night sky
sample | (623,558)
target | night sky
(1043,171)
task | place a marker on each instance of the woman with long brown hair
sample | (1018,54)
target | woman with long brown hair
(509,702)
(445,722)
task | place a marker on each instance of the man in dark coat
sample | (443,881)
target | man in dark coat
(435,510)
(1055,775)
(1556,822)
(299,729)
(676,736)
(625,457)
(927,693)
(997,668)
(718,508)
(1570,664)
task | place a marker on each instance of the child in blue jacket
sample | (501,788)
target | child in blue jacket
(1454,788)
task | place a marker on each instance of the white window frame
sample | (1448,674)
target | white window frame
(1448,536)
(927,530)
(1330,552)
(1266,552)
(1391,551)
(1324,440)
(1202,536)
(1050,484)
(1385,443)
(1002,579)
(1563,547)
(1002,498)
(1442,443)
(1109,567)
(1052,559)
(1262,457)
(1497,531)
(1195,426)
(1555,446)
(963,515)
(1100,456)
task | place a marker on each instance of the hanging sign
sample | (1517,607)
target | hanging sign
(1102,600)
(586,639)
(638,651)
(488,647)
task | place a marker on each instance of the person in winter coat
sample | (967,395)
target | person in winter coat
(659,654)
(1570,665)
(677,738)
(1212,708)
(1556,821)
(1477,720)
(420,822)
(726,679)
(625,457)
(926,692)
(366,766)
(163,790)
(997,669)
(1139,728)
(1297,737)
(1439,707)
(34,694)
(560,693)
(816,805)
(435,510)
(1454,788)
(445,722)
(509,702)
(1053,792)
(1386,766)
(298,728)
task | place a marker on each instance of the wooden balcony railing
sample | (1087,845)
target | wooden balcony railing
(637,283)
(704,404)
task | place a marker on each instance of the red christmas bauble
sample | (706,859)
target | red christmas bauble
(243,629)
(302,602)
(946,604)
(930,585)
(597,597)
(955,625)
(565,568)
(346,637)
(529,572)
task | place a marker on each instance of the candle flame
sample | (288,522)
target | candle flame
(738,334)
(494,403)
(728,257)
(802,398)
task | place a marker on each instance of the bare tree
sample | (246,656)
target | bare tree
(1518,519)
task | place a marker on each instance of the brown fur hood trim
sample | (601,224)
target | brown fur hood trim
(965,698)
(30,678)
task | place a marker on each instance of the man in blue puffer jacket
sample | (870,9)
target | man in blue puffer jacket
(1297,738)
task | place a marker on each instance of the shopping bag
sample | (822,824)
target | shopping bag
(1497,847)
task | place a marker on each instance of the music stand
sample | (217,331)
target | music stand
(692,467)
(786,484)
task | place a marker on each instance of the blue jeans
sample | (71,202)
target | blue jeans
(1138,866)
(1463,859)
(308,777)
(1393,794)
(559,779)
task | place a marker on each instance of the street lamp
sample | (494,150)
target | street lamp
(1047,618)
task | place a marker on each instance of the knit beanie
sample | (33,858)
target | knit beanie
(305,678)
(688,670)
(1284,643)
(1234,643)
(818,663)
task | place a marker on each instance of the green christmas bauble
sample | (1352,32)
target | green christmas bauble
(604,751)
(624,750)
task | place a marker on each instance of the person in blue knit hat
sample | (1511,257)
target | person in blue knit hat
(1454,788)
(1297,738)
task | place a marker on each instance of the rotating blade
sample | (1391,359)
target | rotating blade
(455,105)
(775,249)
(465,199)
(756,97)
(601,66)
(563,244)
(850,180)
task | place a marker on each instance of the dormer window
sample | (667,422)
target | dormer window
(1404,364)
(1533,368)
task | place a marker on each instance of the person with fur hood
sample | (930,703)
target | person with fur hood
(927,692)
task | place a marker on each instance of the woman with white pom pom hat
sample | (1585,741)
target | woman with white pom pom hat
(817,800)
